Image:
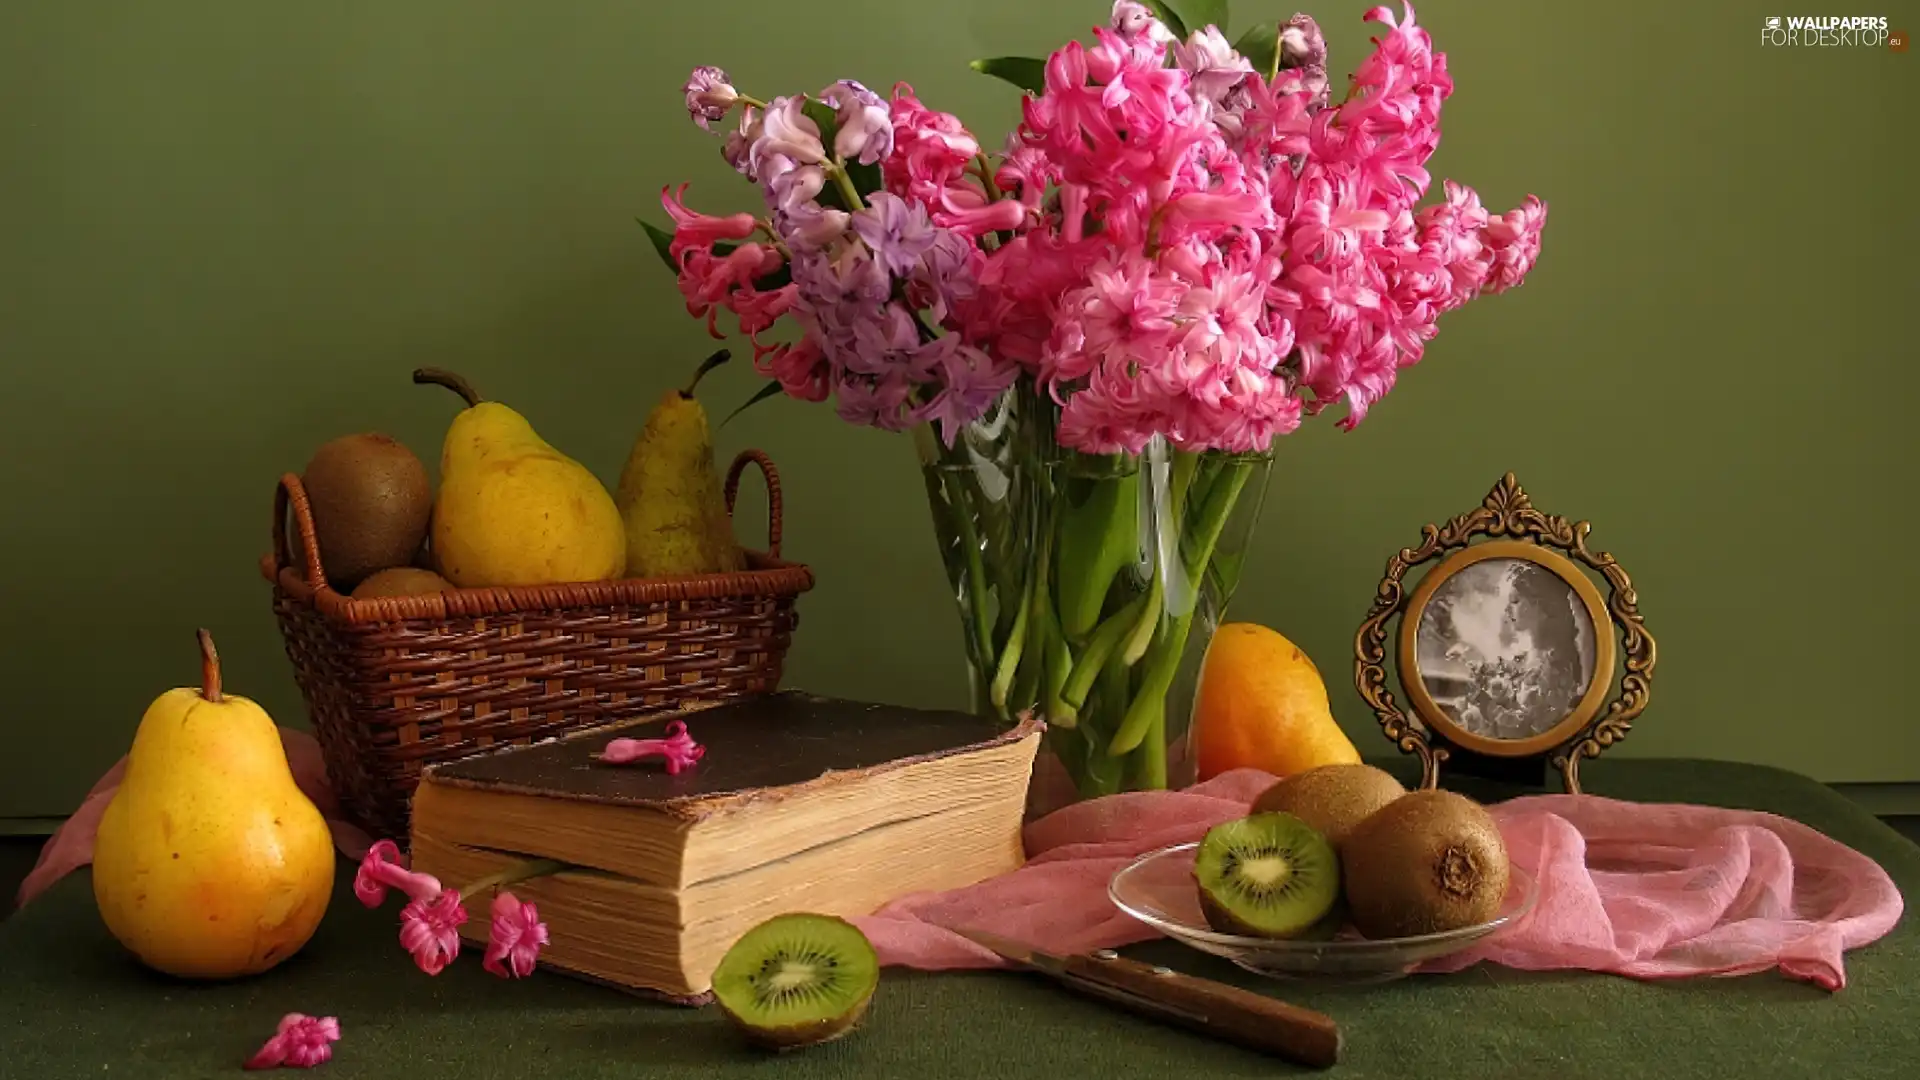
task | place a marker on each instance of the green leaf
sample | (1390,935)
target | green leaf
(772,389)
(866,178)
(824,118)
(1261,46)
(1199,14)
(1022,71)
(779,279)
(1172,18)
(662,243)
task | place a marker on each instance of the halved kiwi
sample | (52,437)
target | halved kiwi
(797,980)
(1268,875)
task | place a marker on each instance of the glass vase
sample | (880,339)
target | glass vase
(1089,587)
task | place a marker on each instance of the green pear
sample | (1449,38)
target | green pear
(669,494)
(511,509)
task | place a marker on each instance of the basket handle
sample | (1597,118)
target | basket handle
(291,492)
(772,476)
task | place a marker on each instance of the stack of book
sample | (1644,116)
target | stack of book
(800,803)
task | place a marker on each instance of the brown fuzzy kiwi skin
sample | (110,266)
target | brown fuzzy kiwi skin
(371,500)
(1333,799)
(1429,862)
(798,1036)
(401,581)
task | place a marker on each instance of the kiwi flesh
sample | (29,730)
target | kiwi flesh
(371,500)
(1266,875)
(1332,799)
(797,980)
(1428,862)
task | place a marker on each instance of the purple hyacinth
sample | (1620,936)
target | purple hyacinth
(793,197)
(1304,48)
(948,274)
(709,95)
(898,232)
(876,402)
(864,122)
(969,384)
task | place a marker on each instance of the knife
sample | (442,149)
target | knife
(1225,1012)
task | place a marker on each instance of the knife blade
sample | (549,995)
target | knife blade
(1228,1013)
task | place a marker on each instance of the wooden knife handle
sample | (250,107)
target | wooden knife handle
(1226,1012)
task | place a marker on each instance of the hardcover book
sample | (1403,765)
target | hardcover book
(800,803)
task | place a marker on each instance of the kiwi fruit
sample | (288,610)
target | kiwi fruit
(401,581)
(1267,875)
(371,500)
(797,980)
(1332,799)
(1428,862)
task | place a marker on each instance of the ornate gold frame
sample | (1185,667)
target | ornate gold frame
(1514,528)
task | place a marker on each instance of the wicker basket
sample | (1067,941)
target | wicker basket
(394,684)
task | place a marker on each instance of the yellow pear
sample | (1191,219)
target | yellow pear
(669,495)
(511,509)
(210,862)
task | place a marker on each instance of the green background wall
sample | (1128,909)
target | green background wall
(228,230)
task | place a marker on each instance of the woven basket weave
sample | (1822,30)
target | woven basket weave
(397,683)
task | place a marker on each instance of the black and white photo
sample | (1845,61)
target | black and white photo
(1505,648)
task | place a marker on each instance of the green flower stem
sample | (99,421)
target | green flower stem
(1058,660)
(1106,637)
(1182,478)
(1143,629)
(512,874)
(951,498)
(1098,535)
(1053,660)
(996,527)
(1162,662)
(845,183)
(1105,773)
(1009,662)
(976,570)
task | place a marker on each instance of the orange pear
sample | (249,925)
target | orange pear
(1262,705)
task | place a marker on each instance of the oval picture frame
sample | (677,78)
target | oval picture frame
(1599,624)
(1506,527)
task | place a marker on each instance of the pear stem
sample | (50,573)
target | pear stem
(209,668)
(706,365)
(441,377)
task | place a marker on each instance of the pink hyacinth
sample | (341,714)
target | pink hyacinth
(299,1042)
(677,749)
(430,930)
(800,368)
(931,149)
(515,938)
(692,229)
(384,868)
(1514,239)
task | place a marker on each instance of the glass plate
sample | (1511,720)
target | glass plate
(1158,890)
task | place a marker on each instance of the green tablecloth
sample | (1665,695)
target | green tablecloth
(71,1005)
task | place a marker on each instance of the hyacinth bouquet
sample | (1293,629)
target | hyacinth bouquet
(1096,335)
